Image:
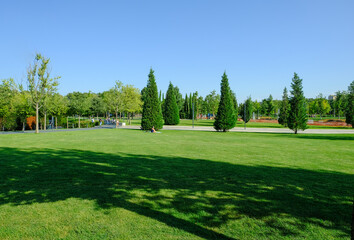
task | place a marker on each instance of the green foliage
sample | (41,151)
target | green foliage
(41,85)
(349,113)
(79,103)
(185,113)
(225,118)
(246,110)
(171,113)
(114,98)
(152,115)
(131,100)
(234,102)
(297,115)
(212,102)
(284,109)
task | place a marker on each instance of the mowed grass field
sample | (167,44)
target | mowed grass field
(128,184)
(210,123)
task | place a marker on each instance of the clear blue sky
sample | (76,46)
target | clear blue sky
(260,44)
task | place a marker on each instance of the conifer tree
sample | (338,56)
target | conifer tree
(152,116)
(349,113)
(225,118)
(297,116)
(190,114)
(171,113)
(246,115)
(186,107)
(284,109)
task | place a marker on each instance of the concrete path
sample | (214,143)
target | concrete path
(198,128)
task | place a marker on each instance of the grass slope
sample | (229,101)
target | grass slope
(127,184)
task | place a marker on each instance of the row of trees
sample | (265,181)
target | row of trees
(41,99)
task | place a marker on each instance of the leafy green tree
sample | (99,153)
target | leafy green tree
(257,107)
(284,109)
(340,103)
(349,112)
(225,118)
(234,102)
(8,91)
(97,105)
(212,102)
(23,106)
(171,113)
(323,106)
(131,100)
(152,115)
(79,104)
(59,107)
(297,116)
(246,112)
(114,99)
(40,84)
(264,107)
(270,105)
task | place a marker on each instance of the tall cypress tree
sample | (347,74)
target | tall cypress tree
(186,107)
(349,113)
(171,113)
(225,118)
(297,116)
(284,109)
(190,106)
(152,116)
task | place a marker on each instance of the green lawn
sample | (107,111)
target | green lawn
(209,123)
(128,184)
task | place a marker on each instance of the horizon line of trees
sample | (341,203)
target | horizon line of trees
(42,100)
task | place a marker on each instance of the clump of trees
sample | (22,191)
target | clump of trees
(41,99)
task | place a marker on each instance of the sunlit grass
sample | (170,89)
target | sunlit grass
(128,184)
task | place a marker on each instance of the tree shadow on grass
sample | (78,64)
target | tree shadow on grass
(206,194)
(339,136)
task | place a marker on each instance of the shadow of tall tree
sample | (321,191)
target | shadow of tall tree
(190,194)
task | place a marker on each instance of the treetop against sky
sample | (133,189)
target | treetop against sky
(259,44)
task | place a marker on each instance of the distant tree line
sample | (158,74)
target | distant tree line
(42,100)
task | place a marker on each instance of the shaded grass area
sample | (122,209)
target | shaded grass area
(176,185)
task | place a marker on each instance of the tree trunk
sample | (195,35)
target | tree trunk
(116,119)
(67,122)
(23,126)
(120,115)
(37,119)
(97,116)
(45,120)
(79,121)
(295,131)
(56,122)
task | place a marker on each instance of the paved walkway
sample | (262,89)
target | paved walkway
(199,128)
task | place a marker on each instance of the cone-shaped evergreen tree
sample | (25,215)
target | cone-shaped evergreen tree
(297,116)
(171,113)
(225,118)
(349,113)
(284,109)
(186,107)
(152,116)
(190,106)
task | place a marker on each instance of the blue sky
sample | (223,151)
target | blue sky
(260,44)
